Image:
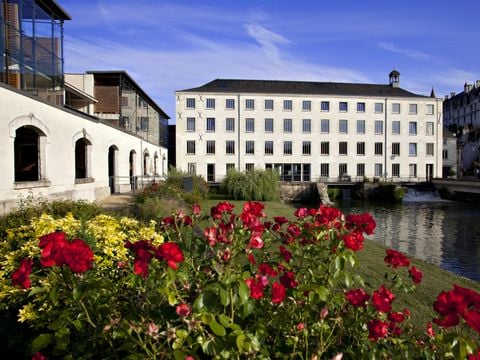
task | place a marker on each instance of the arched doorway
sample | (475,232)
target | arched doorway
(82,161)
(132,159)
(146,162)
(27,154)
(112,167)
(155,164)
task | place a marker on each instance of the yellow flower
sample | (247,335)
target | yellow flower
(27,313)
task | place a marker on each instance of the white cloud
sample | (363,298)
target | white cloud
(411,53)
(267,39)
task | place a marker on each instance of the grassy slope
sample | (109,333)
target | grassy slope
(372,268)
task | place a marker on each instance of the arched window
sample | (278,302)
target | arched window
(82,158)
(27,154)
(146,162)
(155,163)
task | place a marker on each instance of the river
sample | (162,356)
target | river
(443,233)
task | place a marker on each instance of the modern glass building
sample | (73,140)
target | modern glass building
(31,47)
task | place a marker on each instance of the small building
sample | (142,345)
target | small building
(309,131)
(68,139)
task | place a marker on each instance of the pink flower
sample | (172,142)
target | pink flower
(430,331)
(183,310)
(196,209)
(301,213)
(256,241)
(300,326)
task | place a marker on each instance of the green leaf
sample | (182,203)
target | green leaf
(182,333)
(78,324)
(217,329)
(179,355)
(171,298)
(348,280)
(37,290)
(243,291)
(224,297)
(198,303)
(78,293)
(241,341)
(247,308)
(322,292)
(53,295)
(41,341)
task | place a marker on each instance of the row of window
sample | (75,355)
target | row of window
(210,126)
(306,105)
(306,148)
(302,172)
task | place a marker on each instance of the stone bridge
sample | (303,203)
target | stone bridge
(470,186)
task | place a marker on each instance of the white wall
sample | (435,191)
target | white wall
(62,130)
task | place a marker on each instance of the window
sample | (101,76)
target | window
(190,103)
(430,128)
(325,106)
(430,109)
(306,172)
(343,106)
(190,124)
(268,125)
(412,170)
(306,148)
(342,169)
(210,172)
(360,126)
(396,170)
(378,170)
(143,123)
(230,167)
(325,126)
(378,108)
(306,125)
(191,147)
(324,170)
(249,167)
(249,124)
(82,154)
(412,128)
(230,124)
(360,148)
(230,147)
(361,107)
(192,168)
(250,147)
(287,105)
(396,127)
(268,104)
(360,169)
(249,104)
(343,126)
(230,104)
(430,149)
(287,148)
(342,148)
(210,103)
(210,146)
(287,125)
(412,109)
(396,108)
(306,105)
(445,154)
(268,147)
(378,148)
(324,148)
(378,127)
(412,149)
(396,149)
(210,124)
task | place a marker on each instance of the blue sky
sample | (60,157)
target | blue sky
(175,44)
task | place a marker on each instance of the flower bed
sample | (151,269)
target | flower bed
(245,286)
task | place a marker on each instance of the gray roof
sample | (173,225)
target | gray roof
(301,87)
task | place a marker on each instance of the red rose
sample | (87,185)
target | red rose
(78,256)
(363,222)
(300,326)
(430,331)
(254,208)
(278,293)
(221,208)
(328,216)
(183,310)
(287,255)
(210,234)
(53,245)
(171,252)
(280,220)
(382,299)
(256,288)
(377,329)
(472,318)
(196,209)
(301,213)
(21,276)
(357,297)
(256,241)
(397,317)
(288,280)
(293,230)
(353,241)
(396,259)
(449,304)
(39,356)
(266,269)
(472,298)
(416,275)
(251,259)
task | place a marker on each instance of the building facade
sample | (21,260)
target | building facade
(56,138)
(309,131)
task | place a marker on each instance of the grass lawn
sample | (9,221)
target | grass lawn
(371,267)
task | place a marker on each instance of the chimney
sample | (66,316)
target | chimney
(477,83)
(465,87)
(469,87)
(452,94)
(394,78)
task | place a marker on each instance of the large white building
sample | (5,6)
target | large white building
(85,139)
(309,131)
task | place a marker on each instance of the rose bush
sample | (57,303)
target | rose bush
(243,287)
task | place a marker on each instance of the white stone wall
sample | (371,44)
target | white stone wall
(62,129)
(297,136)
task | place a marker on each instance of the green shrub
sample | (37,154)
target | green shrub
(259,185)
(333,193)
(154,208)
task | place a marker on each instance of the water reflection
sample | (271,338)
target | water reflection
(446,234)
